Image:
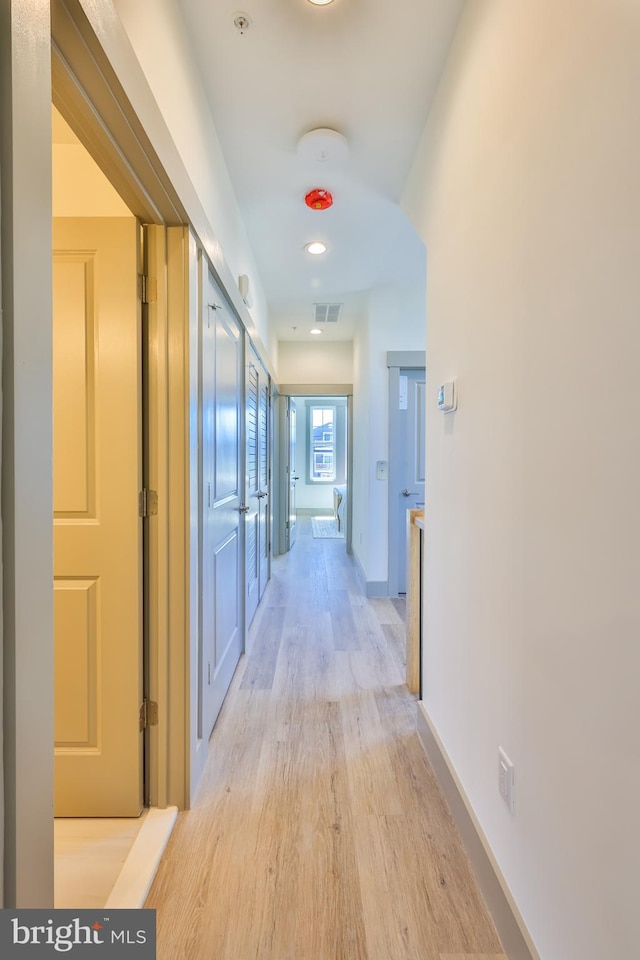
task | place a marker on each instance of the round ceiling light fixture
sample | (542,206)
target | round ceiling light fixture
(316,248)
(319,199)
(320,3)
(315,331)
(323,145)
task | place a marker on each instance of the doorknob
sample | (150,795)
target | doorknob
(261,494)
(407,493)
(243,509)
(295,478)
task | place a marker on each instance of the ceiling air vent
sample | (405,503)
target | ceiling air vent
(327,312)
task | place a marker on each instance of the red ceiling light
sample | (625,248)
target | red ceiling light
(319,199)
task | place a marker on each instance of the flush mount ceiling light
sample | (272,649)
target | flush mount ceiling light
(320,3)
(316,248)
(316,332)
(323,146)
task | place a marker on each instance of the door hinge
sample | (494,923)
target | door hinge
(147,503)
(148,714)
(147,288)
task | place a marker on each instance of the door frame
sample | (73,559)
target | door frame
(60,59)
(286,390)
(397,360)
(155,204)
(27,487)
(282,447)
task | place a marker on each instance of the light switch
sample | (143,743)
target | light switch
(382,470)
(447,397)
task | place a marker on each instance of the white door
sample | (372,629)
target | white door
(257,480)
(223,483)
(408,446)
(292,516)
(97,530)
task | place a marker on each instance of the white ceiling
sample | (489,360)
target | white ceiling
(366,68)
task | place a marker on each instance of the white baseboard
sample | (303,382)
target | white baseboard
(372,588)
(516,940)
(377,588)
(134,882)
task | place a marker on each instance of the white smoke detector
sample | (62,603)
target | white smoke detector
(242,21)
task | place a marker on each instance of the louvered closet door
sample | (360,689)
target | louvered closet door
(252,492)
(264,509)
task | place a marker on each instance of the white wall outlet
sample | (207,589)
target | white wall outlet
(506,779)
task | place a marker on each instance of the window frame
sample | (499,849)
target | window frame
(312,452)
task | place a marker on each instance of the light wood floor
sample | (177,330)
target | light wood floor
(319,832)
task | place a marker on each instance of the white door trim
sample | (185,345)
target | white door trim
(108,126)
(27,483)
(285,390)
(397,360)
(25,104)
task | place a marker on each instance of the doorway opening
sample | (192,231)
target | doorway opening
(315,454)
(98,549)
(406,456)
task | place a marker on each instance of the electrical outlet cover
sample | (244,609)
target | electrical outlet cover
(506,779)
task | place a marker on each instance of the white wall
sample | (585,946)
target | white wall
(325,361)
(525,190)
(361,444)
(27,503)
(160,42)
(395,320)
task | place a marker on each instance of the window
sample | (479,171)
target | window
(322,423)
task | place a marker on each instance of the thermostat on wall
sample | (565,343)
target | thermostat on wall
(447,400)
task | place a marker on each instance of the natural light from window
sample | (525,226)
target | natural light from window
(322,444)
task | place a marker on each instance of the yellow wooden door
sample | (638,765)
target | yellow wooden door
(97,530)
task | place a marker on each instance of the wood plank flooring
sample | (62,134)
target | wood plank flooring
(319,831)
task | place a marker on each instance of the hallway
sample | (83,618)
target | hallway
(319,832)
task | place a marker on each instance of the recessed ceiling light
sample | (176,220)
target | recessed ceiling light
(320,3)
(315,248)
(315,331)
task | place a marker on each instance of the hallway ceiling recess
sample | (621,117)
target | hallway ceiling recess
(367,69)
